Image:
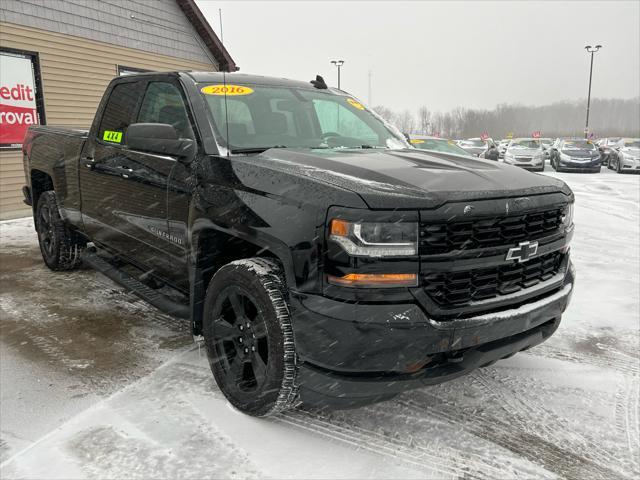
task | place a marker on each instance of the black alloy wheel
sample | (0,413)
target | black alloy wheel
(240,334)
(249,337)
(60,246)
(44,228)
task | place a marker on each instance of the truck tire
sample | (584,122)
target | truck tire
(249,338)
(61,247)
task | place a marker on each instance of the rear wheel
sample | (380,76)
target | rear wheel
(60,246)
(249,338)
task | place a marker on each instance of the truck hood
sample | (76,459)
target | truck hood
(410,178)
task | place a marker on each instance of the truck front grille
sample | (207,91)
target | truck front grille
(460,288)
(444,237)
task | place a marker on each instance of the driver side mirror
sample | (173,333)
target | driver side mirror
(160,138)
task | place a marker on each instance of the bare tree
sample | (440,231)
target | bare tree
(424,120)
(609,117)
(385,113)
(405,121)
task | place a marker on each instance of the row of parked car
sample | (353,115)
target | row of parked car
(564,154)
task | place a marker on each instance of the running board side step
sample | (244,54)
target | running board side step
(158,300)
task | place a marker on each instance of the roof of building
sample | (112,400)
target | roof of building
(175,28)
(207,34)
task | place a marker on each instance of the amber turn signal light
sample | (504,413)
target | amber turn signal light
(339,228)
(375,280)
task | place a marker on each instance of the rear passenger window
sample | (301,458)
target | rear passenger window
(119,112)
(163,103)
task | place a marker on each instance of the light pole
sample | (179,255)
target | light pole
(591,50)
(338,63)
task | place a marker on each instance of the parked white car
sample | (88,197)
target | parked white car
(626,156)
(526,153)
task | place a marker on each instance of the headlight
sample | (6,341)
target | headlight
(369,239)
(567,217)
(538,156)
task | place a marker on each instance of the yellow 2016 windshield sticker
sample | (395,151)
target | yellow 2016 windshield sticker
(226,90)
(111,136)
(416,140)
(355,104)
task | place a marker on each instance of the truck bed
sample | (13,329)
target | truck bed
(53,152)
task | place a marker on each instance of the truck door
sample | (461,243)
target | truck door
(125,191)
(164,103)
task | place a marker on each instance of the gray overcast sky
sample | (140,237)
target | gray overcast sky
(441,54)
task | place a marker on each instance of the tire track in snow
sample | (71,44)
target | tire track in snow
(516,395)
(627,405)
(555,459)
(378,443)
(622,363)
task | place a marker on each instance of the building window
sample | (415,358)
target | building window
(123,71)
(21,102)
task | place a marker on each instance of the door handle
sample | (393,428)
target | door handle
(90,162)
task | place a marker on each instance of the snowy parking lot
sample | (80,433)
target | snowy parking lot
(95,383)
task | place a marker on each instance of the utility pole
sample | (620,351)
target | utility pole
(591,50)
(369,96)
(338,63)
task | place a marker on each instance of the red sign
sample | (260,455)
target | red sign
(536,134)
(17,99)
(484,136)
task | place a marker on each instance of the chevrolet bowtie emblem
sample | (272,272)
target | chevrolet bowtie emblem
(523,252)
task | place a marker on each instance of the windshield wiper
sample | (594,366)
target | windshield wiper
(363,147)
(255,149)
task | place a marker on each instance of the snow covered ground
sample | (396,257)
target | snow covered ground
(94,383)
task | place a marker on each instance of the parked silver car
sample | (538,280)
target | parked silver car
(546,146)
(526,153)
(502,146)
(625,156)
(475,146)
(607,147)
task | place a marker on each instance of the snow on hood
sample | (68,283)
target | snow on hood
(410,178)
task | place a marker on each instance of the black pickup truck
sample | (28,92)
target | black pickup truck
(320,258)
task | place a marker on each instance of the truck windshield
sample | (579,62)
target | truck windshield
(525,143)
(252,118)
(578,145)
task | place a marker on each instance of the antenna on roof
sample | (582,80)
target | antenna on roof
(221,34)
(224,82)
(319,83)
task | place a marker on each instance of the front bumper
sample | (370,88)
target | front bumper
(572,165)
(353,354)
(533,164)
(629,163)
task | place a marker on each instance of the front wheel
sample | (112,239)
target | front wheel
(249,338)
(60,246)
